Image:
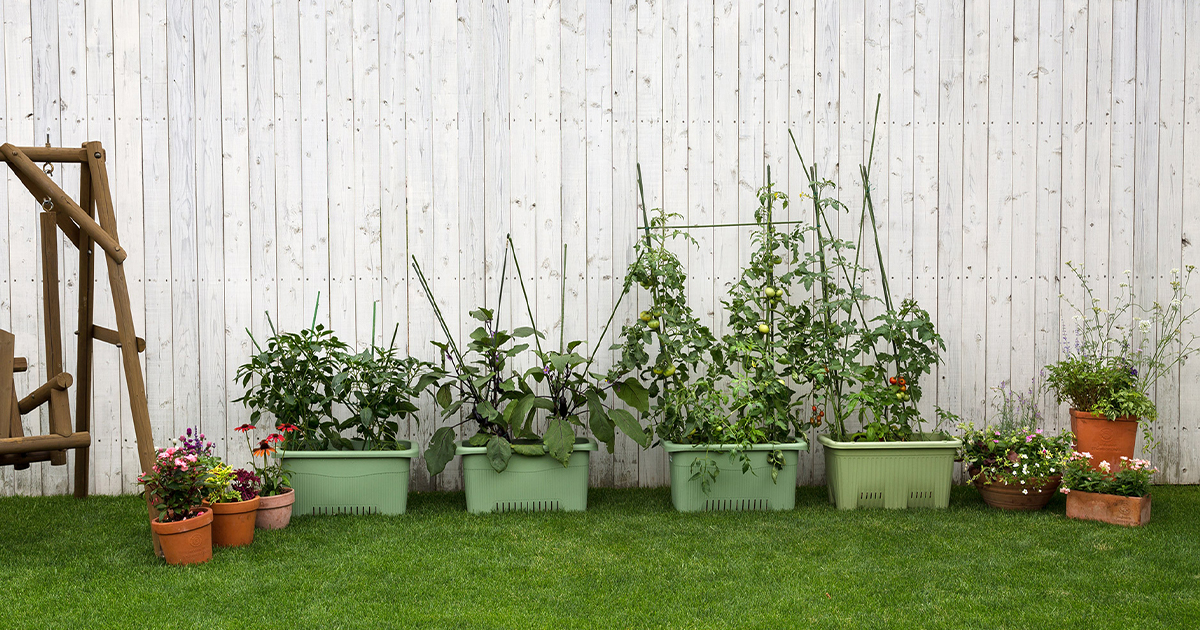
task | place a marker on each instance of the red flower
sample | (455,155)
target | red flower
(245,427)
(287,428)
(274,438)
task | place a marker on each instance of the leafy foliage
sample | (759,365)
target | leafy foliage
(380,391)
(1013,449)
(504,403)
(176,484)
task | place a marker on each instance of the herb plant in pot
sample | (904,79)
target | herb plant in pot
(726,452)
(868,369)
(1117,494)
(1014,464)
(276,496)
(508,464)
(233,497)
(176,487)
(1107,375)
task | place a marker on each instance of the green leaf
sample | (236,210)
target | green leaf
(529,450)
(599,422)
(560,440)
(443,396)
(498,452)
(441,450)
(634,395)
(630,426)
(479,439)
(524,331)
(486,409)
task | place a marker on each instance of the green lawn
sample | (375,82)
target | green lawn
(630,561)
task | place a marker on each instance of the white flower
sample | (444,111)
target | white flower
(1175,270)
(1025,491)
(1144,325)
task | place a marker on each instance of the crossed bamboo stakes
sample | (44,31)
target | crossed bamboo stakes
(89,223)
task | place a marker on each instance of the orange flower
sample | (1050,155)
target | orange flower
(263,449)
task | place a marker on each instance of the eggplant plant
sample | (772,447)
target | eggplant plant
(479,379)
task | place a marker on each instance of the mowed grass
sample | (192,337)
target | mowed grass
(630,561)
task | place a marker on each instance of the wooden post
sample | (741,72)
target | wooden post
(60,410)
(120,292)
(7,347)
(83,364)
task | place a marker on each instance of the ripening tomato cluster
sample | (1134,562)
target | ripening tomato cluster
(901,387)
(817,417)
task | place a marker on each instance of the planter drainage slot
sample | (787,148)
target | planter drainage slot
(920,495)
(740,505)
(870,496)
(329,510)
(526,506)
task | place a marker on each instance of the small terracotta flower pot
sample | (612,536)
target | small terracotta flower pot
(1109,508)
(188,541)
(275,511)
(1106,440)
(1004,496)
(233,523)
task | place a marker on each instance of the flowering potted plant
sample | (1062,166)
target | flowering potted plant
(233,497)
(868,369)
(276,496)
(1012,462)
(300,379)
(727,451)
(1118,356)
(507,464)
(1120,497)
(176,486)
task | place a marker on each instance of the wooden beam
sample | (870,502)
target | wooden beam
(20,364)
(52,154)
(7,343)
(42,394)
(83,365)
(23,461)
(134,380)
(30,173)
(110,336)
(33,443)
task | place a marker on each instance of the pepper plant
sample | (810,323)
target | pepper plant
(504,403)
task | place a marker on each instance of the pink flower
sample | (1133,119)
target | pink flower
(1028,439)
(1065,490)
(1105,466)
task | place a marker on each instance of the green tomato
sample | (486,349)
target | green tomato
(769,292)
(764,329)
(777,259)
(657,312)
(669,371)
(644,316)
(653,324)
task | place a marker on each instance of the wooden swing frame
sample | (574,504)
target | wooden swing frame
(88,223)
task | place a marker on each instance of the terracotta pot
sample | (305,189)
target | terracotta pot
(233,523)
(275,512)
(1109,508)
(188,541)
(1004,496)
(1106,440)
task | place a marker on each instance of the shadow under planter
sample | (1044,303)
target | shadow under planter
(350,482)
(534,484)
(893,475)
(732,489)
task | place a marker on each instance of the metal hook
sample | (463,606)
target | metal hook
(48,168)
(47,205)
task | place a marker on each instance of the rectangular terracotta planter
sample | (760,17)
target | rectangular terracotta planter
(1109,508)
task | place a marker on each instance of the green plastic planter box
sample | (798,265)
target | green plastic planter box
(350,482)
(890,474)
(733,489)
(533,484)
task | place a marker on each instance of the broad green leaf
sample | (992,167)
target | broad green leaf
(443,396)
(560,440)
(441,450)
(634,395)
(523,331)
(486,409)
(529,450)
(498,452)
(599,422)
(630,426)
(479,439)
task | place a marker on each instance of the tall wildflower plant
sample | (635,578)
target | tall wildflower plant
(1120,352)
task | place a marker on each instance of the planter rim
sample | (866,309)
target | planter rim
(235,507)
(581,444)
(828,442)
(186,525)
(1119,496)
(1096,416)
(674,447)
(407,453)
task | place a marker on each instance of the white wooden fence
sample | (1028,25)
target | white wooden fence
(267,152)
